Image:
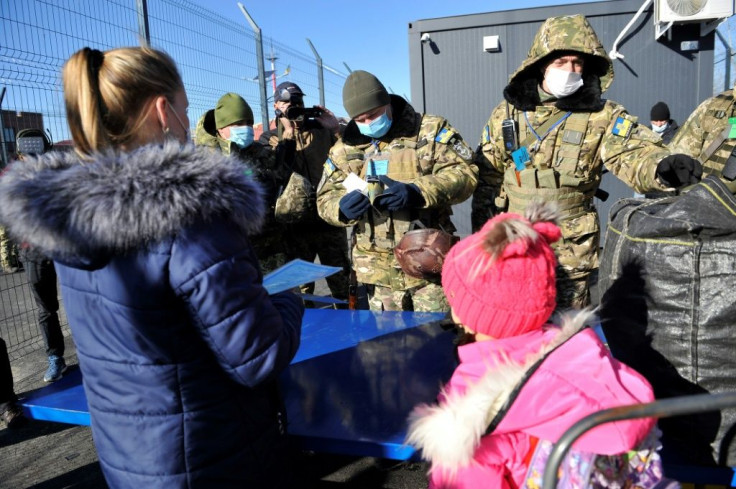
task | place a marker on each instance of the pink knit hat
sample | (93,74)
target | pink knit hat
(500,281)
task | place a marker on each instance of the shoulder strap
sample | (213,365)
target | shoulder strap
(544,128)
(725,102)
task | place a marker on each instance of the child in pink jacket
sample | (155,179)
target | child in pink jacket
(523,381)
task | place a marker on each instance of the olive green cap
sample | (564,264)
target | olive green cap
(232,108)
(363,92)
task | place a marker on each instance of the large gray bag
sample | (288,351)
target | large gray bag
(668,284)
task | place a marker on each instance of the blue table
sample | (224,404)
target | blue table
(349,389)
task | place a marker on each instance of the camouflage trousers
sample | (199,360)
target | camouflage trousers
(429,298)
(577,255)
(573,288)
(331,246)
(8,252)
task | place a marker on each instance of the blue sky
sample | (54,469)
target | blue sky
(369,35)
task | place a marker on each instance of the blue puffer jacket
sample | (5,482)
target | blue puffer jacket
(178,341)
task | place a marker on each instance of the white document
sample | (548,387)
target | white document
(354,182)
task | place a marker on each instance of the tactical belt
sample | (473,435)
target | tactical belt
(571,202)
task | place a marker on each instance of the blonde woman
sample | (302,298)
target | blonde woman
(178,341)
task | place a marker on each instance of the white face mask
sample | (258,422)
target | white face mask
(562,83)
(660,129)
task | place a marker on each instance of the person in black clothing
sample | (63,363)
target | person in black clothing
(662,124)
(41,272)
(10,412)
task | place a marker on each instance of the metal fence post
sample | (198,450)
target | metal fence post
(320,73)
(261,67)
(4,152)
(727,61)
(143,32)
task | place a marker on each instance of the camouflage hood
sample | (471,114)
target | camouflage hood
(555,37)
(206,135)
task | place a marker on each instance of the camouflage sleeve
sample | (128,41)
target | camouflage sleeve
(690,137)
(454,175)
(331,189)
(631,151)
(490,162)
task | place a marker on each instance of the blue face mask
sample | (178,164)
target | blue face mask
(377,128)
(242,136)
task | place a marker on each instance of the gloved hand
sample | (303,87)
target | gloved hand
(679,170)
(397,195)
(353,205)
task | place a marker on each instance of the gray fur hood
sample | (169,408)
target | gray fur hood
(81,212)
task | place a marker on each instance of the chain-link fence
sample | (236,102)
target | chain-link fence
(215,55)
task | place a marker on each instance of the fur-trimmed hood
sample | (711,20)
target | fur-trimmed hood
(558,35)
(81,212)
(539,384)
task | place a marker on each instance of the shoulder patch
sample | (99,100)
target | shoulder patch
(444,136)
(329,167)
(486,137)
(622,127)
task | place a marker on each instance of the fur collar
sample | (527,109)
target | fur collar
(70,208)
(449,433)
(523,93)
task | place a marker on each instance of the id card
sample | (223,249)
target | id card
(376,164)
(521,158)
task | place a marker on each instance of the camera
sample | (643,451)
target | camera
(301,114)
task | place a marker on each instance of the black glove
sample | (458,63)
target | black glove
(679,170)
(353,205)
(397,195)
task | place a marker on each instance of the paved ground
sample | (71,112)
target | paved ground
(47,455)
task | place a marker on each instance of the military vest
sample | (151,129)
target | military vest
(562,167)
(378,233)
(713,122)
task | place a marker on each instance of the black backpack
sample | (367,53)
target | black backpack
(668,285)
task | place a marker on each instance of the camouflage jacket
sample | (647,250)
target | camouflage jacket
(703,133)
(262,164)
(307,152)
(566,164)
(422,149)
(262,160)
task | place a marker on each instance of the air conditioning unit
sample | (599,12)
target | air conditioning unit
(683,11)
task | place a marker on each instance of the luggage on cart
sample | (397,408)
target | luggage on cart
(668,307)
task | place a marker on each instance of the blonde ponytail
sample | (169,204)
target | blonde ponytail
(107,95)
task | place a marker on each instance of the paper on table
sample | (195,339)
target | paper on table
(295,273)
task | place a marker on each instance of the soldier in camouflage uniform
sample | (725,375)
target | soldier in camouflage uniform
(9,262)
(418,166)
(560,133)
(709,134)
(307,235)
(229,128)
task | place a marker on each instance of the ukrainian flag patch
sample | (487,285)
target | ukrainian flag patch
(444,136)
(329,166)
(486,135)
(622,127)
